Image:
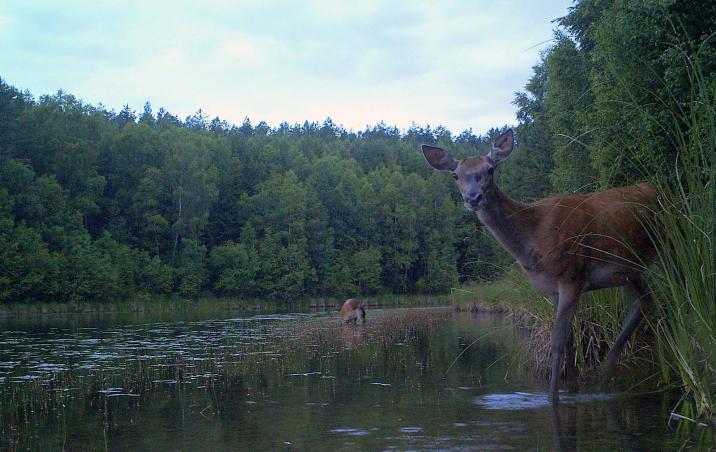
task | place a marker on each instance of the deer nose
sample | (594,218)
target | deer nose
(475,199)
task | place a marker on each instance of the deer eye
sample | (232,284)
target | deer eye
(490,171)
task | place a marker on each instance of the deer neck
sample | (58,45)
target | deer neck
(511,223)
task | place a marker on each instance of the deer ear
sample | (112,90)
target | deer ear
(502,147)
(439,158)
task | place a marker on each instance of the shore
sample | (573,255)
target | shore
(210,303)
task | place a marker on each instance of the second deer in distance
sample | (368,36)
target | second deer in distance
(567,245)
(352,310)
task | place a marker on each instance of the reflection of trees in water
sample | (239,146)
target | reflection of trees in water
(486,348)
(624,421)
(421,347)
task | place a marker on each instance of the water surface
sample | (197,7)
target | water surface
(408,379)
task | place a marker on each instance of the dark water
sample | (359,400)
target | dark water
(405,380)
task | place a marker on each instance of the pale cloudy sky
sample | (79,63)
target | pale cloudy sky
(455,63)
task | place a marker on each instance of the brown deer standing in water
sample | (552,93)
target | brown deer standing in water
(353,309)
(567,245)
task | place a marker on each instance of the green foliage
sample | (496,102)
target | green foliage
(524,172)
(97,205)
(26,265)
(365,266)
(190,269)
(614,77)
(567,108)
(157,276)
(233,268)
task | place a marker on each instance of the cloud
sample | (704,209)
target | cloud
(238,48)
(455,63)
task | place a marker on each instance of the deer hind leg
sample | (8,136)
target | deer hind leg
(568,298)
(633,319)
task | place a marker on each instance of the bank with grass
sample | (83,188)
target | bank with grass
(207,303)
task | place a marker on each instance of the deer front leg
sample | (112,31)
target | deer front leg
(568,298)
(570,360)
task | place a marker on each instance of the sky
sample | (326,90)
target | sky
(451,63)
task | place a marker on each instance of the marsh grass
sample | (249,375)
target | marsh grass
(596,326)
(684,281)
(154,304)
(136,304)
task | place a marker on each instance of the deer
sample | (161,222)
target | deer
(566,245)
(352,310)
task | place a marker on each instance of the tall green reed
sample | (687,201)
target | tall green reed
(684,280)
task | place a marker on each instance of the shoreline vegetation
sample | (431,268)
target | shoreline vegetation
(213,304)
(597,322)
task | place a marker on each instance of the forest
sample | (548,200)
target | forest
(99,205)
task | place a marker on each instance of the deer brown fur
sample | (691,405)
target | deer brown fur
(567,245)
(352,310)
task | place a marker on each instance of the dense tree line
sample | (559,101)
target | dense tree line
(102,205)
(609,99)
(99,205)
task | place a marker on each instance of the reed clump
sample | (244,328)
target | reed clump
(684,281)
(596,325)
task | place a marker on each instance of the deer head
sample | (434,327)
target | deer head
(474,175)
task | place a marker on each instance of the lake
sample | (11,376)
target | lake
(419,378)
